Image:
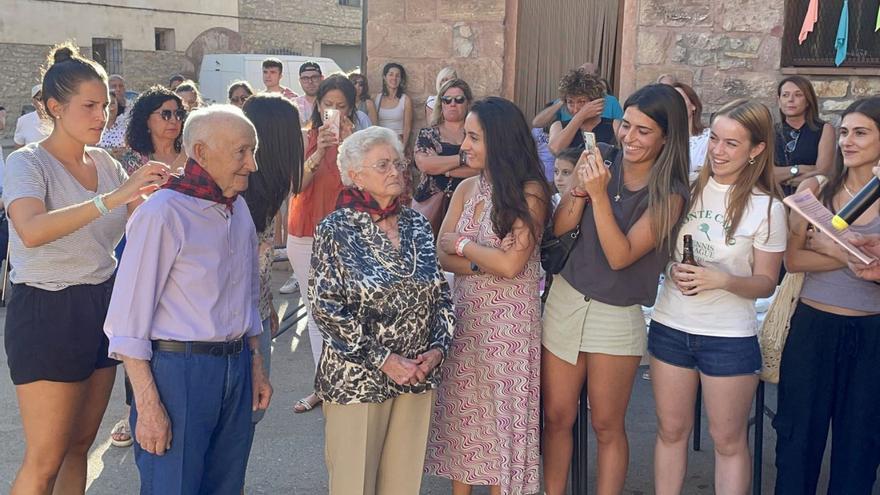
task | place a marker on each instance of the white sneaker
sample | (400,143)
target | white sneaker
(279,254)
(290,286)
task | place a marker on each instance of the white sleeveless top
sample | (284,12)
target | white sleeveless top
(392,118)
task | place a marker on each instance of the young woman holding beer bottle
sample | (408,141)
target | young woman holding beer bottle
(704,326)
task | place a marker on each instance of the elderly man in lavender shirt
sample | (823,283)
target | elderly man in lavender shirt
(184,316)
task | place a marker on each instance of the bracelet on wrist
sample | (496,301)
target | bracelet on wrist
(98,201)
(584,194)
(460,245)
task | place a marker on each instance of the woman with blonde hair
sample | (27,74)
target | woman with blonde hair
(445,74)
(704,328)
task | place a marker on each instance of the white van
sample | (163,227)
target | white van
(220,70)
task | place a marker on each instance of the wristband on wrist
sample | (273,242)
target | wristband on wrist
(98,201)
(460,244)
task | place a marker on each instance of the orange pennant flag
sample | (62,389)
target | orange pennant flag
(809,21)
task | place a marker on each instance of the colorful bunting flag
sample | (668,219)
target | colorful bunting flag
(842,39)
(810,21)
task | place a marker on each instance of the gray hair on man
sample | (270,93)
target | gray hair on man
(199,124)
(353,150)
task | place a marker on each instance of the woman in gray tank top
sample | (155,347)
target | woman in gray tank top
(830,369)
(593,324)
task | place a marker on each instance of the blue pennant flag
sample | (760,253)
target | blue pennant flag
(842,39)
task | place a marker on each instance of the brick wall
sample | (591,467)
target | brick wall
(725,50)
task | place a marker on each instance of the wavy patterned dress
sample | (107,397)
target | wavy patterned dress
(485,423)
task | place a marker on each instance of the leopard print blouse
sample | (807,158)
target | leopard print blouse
(370,300)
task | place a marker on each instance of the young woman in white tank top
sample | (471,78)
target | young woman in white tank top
(392,104)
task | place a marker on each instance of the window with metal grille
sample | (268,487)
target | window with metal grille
(108,52)
(863,46)
(350,3)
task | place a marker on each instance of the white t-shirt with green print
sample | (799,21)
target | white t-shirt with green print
(718,312)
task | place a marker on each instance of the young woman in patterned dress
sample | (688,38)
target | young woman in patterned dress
(485,423)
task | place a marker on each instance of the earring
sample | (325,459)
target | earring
(752,161)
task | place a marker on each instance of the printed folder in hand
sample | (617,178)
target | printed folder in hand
(807,206)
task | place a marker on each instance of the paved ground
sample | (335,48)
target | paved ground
(287,456)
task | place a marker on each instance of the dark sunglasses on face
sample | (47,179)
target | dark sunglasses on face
(358,82)
(239,99)
(449,99)
(166,115)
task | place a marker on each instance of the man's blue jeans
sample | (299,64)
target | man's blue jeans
(209,401)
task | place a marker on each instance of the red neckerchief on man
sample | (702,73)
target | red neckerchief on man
(358,200)
(198,183)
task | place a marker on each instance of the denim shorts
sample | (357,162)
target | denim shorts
(712,356)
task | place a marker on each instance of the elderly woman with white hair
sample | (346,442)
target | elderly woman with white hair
(384,309)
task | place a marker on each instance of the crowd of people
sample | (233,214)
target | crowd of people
(143,232)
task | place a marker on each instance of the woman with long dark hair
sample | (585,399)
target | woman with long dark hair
(628,210)
(804,142)
(830,370)
(393,106)
(279,157)
(485,421)
(704,326)
(364,103)
(320,186)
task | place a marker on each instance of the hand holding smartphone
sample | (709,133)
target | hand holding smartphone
(331,117)
(589,141)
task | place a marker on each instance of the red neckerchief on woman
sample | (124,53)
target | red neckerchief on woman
(358,200)
(198,183)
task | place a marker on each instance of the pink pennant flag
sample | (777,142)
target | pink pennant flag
(809,21)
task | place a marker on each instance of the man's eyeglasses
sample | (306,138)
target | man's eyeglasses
(313,79)
(447,100)
(167,115)
(384,166)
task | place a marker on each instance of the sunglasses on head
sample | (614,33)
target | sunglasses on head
(178,114)
(449,99)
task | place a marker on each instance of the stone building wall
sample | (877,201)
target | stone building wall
(426,35)
(297,25)
(725,50)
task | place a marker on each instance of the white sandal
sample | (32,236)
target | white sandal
(121,429)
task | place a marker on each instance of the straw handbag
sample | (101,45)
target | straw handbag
(777,322)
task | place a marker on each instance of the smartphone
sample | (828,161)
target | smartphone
(331,120)
(589,141)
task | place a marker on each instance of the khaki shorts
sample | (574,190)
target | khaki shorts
(574,324)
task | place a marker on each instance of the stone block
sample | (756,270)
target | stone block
(649,74)
(834,88)
(471,10)
(489,39)
(705,49)
(484,75)
(835,105)
(758,86)
(462,40)
(385,11)
(675,13)
(652,47)
(420,40)
(756,16)
(862,87)
(420,10)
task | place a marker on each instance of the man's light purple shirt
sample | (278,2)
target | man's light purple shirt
(189,273)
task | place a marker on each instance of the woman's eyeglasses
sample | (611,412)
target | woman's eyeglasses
(384,166)
(459,100)
(166,115)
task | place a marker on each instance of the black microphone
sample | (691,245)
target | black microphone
(852,210)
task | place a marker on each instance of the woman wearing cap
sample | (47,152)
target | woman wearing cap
(33,126)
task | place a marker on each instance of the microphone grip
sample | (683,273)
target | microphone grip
(853,209)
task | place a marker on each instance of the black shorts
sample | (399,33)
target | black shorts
(57,335)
